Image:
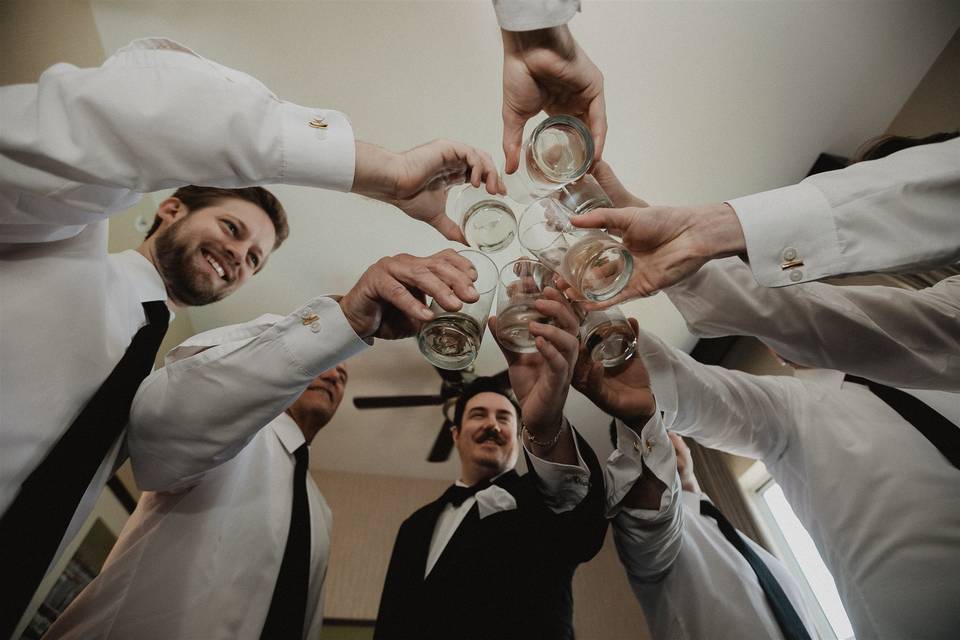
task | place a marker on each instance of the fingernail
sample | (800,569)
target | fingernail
(472,290)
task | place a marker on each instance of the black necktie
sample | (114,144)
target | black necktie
(783,611)
(288,608)
(456,494)
(941,433)
(33,526)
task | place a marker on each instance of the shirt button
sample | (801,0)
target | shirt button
(796,275)
(315,327)
(789,254)
(649,444)
(636,446)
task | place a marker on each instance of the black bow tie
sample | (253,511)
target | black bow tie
(456,494)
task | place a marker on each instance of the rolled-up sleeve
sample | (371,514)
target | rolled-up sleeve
(527,15)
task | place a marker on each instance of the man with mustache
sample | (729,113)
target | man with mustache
(81,327)
(224,536)
(494,556)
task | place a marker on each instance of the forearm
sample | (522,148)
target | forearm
(649,541)
(895,336)
(724,409)
(197,412)
(375,175)
(563,480)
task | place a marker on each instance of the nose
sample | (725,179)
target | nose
(331,376)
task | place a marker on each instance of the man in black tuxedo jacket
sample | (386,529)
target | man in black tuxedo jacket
(493,558)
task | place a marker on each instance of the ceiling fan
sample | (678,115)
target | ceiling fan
(451,386)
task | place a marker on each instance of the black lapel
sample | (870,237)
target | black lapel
(421,526)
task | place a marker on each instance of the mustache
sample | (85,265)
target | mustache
(492,433)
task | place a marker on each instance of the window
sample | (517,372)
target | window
(795,547)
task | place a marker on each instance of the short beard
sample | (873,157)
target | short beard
(184,282)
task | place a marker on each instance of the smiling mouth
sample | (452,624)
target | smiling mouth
(215,265)
(323,389)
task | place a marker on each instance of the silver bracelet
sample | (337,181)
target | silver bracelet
(546,445)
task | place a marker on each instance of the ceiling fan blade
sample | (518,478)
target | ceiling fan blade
(443,445)
(386,402)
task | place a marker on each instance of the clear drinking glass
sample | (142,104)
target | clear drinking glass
(522,283)
(607,336)
(487,221)
(558,151)
(584,195)
(452,339)
(590,260)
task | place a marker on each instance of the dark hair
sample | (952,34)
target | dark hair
(480,385)
(883,146)
(194,197)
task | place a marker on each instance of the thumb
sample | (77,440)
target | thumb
(610,183)
(512,138)
(450,229)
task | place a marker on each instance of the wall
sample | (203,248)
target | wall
(367,511)
(935,103)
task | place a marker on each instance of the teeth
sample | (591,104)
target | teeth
(216,266)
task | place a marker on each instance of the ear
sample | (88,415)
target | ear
(171,210)
(455,432)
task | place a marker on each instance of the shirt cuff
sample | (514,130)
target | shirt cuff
(317,330)
(318,148)
(651,448)
(790,234)
(527,15)
(563,486)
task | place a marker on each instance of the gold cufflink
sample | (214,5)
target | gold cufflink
(318,123)
(310,319)
(790,264)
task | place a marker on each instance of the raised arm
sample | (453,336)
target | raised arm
(219,388)
(156,115)
(895,336)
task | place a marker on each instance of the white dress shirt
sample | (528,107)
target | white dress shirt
(563,486)
(893,213)
(691,582)
(880,502)
(527,15)
(217,390)
(79,146)
(894,336)
(203,562)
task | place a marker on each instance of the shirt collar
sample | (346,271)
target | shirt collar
(288,433)
(142,274)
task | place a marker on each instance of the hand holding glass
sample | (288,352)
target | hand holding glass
(590,260)
(452,339)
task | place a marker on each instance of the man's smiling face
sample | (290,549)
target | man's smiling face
(487,438)
(207,254)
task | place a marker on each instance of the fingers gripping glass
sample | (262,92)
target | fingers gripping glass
(559,150)
(452,339)
(522,283)
(590,260)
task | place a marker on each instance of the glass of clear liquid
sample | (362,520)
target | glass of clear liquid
(487,221)
(584,195)
(559,150)
(590,260)
(452,339)
(607,336)
(522,283)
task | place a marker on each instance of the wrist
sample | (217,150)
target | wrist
(557,39)
(718,231)
(362,324)
(376,171)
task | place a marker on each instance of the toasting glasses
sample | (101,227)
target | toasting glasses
(590,260)
(607,336)
(452,339)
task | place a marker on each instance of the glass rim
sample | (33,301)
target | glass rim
(579,127)
(490,262)
(529,260)
(522,229)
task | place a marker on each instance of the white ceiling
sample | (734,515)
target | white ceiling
(706,101)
